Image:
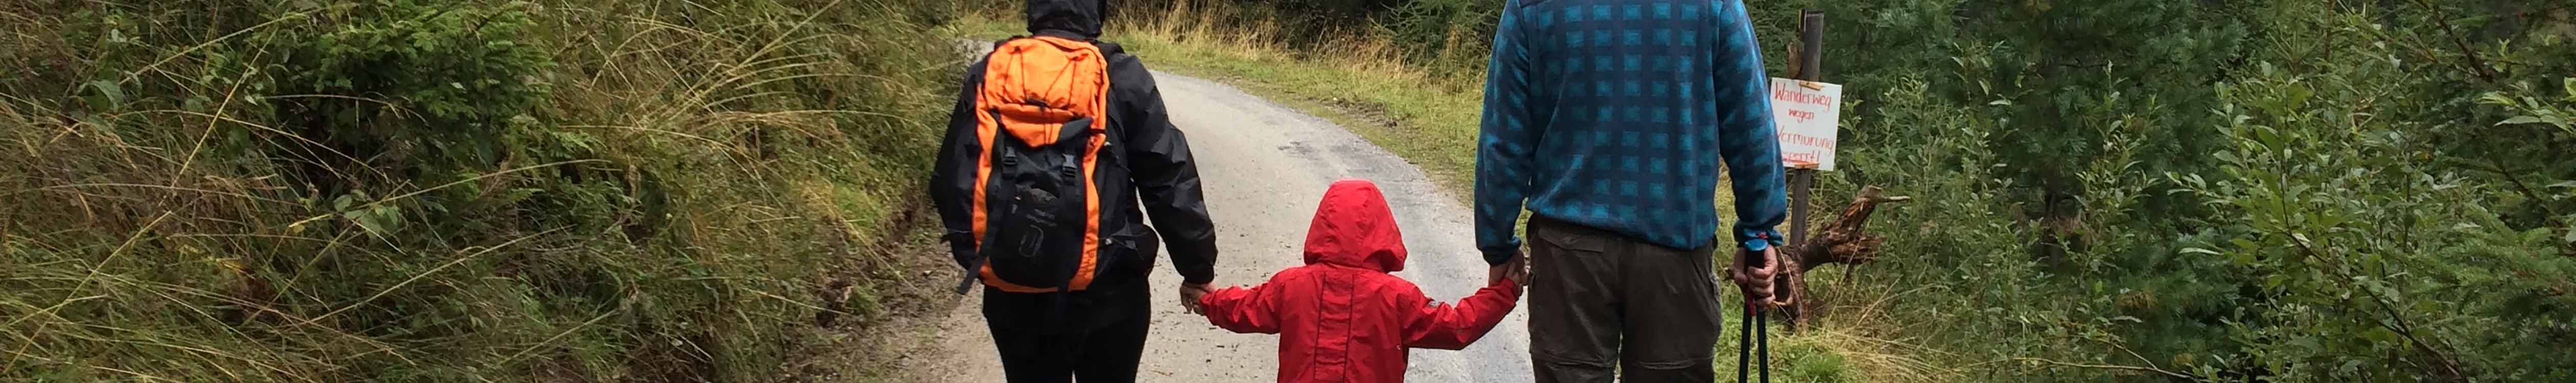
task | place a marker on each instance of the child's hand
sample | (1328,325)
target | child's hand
(1515,272)
(1518,271)
(1495,274)
(1190,294)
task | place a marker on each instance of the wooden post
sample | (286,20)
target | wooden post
(1791,281)
(1810,67)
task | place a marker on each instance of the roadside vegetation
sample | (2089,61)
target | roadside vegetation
(2288,191)
(460,190)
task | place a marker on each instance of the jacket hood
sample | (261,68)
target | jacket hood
(1354,228)
(1078,18)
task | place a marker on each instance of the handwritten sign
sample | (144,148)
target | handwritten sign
(1805,114)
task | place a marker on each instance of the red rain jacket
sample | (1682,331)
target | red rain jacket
(1341,317)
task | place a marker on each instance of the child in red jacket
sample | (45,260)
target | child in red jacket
(1341,317)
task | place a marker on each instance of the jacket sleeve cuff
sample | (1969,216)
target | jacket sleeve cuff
(1758,239)
(1500,255)
(1198,275)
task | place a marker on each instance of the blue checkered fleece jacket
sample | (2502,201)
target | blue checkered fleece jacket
(1615,114)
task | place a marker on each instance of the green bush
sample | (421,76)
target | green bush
(2362,285)
(2313,191)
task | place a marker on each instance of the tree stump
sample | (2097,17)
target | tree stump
(1845,241)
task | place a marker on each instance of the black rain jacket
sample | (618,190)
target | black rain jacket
(1145,168)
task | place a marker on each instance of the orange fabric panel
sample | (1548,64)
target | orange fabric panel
(1040,83)
(1091,223)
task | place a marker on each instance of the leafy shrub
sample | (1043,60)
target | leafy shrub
(2348,216)
(2365,286)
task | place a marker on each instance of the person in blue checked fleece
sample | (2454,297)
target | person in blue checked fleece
(1609,120)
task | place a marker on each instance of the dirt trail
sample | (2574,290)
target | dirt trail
(1265,165)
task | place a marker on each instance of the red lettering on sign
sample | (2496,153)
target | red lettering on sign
(1794,97)
(1801,139)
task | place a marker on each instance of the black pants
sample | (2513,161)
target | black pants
(1092,336)
(1604,304)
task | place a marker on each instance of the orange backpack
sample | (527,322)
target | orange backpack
(1042,118)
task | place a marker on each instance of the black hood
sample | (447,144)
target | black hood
(1079,18)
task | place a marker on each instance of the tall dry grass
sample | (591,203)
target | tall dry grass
(690,175)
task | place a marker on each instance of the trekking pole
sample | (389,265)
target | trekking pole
(1762,336)
(1753,341)
(1743,349)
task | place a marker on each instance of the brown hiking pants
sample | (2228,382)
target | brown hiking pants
(1598,297)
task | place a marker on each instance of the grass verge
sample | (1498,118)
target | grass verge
(467,190)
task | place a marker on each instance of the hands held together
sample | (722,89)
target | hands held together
(1190,294)
(1516,272)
